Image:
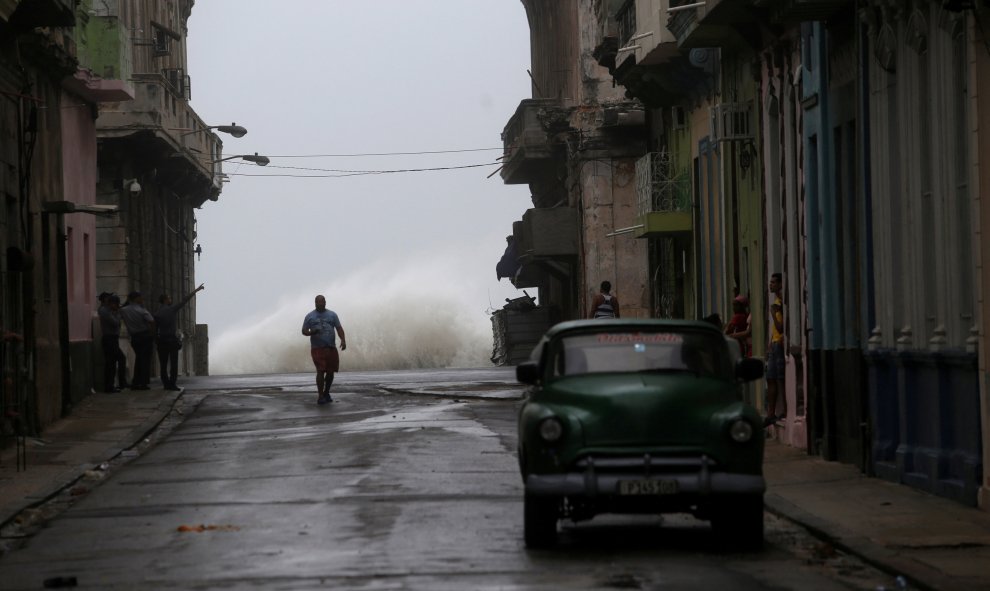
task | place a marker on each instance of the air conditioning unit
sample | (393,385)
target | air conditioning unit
(731,122)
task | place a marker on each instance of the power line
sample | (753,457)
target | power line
(360,173)
(384,153)
(270,166)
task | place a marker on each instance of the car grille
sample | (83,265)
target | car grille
(649,465)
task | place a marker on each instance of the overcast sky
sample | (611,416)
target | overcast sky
(323,77)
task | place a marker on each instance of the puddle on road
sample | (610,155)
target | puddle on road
(417,418)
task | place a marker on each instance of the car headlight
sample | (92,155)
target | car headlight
(741,431)
(551,429)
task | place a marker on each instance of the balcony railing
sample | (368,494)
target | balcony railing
(155,108)
(664,195)
(660,187)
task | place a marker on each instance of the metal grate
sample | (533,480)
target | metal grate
(660,186)
(731,122)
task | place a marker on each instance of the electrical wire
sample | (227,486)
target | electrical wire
(384,153)
(359,173)
(345,171)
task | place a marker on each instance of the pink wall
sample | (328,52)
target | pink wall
(79,179)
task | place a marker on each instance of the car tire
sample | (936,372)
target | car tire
(738,524)
(540,521)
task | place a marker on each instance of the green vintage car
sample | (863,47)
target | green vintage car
(640,416)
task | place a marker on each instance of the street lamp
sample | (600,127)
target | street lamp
(255,158)
(233,129)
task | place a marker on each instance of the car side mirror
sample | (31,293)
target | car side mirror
(528,372)
(749,369)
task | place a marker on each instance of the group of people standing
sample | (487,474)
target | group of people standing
(739,327)
(145,330)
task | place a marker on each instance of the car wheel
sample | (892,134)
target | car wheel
(540,521)
(739,524)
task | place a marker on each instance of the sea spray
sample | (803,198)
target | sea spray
(422,312)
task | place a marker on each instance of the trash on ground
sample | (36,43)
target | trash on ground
(201,528)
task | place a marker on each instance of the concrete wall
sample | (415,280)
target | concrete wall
(30,294)
(609,202)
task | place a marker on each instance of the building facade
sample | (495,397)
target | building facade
(158,161)
(93,105)
(839,144)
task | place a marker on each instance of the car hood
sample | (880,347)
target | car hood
(643,409)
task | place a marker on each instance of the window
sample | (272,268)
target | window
(626,19)
(161,43)
(650,351)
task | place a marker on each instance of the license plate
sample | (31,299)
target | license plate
(648,487)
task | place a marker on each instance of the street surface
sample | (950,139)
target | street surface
(407,481)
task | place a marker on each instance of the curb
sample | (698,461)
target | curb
(869,552)
(71,475)
(460,395)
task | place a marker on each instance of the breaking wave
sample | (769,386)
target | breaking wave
(396,316)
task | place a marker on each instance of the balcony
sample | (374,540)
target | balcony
(547,233)
(105,51)
(528,151)
(183,142)
(715,23)
(666,83)
(664,195)
(28,14)
(797,11)
(545,244)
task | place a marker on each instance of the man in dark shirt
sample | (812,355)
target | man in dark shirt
(166,320)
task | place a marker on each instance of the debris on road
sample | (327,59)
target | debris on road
(201,528)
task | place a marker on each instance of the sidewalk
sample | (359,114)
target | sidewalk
(100,427)
(933,542)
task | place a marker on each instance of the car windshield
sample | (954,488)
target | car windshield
(661,351)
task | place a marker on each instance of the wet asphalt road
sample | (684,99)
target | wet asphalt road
(251,485)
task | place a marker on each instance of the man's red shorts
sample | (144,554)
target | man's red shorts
(326,359)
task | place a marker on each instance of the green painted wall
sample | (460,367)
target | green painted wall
(103,45)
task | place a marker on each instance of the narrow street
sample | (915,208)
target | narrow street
(250,484)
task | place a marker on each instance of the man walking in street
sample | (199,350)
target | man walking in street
(775,356)
(166,321)
(114,360)
(320,326)
(604,304)
(141,329)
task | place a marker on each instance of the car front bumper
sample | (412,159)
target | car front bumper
(591,481)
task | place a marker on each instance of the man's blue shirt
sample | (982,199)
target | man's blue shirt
(327,323)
